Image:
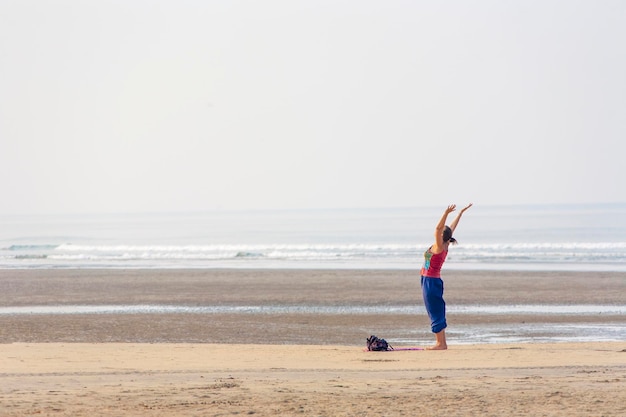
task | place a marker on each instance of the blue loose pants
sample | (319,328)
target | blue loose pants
(432,290)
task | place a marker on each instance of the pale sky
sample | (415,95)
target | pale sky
(144,105)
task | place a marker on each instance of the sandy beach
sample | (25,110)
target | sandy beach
(296,363)
(222,380)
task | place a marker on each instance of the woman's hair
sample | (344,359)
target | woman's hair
(447,235)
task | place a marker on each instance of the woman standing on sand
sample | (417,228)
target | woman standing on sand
(432,284)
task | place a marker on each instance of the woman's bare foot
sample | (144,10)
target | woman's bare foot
(440,341)
(437,347)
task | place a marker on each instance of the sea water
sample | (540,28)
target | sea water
(563,237)
(554,237)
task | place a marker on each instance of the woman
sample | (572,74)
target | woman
(432,284)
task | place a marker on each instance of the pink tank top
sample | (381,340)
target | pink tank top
(433,263)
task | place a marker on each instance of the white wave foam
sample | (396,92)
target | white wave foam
(582,254)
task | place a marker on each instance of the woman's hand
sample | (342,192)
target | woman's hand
(451,208)
(455,222)
(465,208)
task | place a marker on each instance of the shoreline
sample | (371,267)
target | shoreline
(588,268)
(289,293)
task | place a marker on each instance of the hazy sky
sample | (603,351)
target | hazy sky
(145,105)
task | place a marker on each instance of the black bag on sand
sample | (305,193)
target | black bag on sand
(374,343)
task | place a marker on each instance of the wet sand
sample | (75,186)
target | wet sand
(282,288)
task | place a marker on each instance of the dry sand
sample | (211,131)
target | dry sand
(188,365)
(223,380)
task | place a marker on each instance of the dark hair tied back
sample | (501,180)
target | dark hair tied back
(447,235)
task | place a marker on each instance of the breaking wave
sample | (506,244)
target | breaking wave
(316,255)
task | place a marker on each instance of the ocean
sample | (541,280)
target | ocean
(533,237)
(506,238)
